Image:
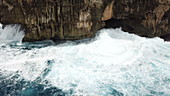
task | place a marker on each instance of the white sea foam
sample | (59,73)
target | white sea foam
(0,25)
(11,33)
(114,64)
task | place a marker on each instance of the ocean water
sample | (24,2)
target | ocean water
(114,63)
(11,34)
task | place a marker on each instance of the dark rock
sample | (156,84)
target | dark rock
(143,17)
(78,19)
(166,37)
(54,19)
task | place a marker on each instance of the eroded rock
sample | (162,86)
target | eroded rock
(54,19)
(143,17)
(78,19)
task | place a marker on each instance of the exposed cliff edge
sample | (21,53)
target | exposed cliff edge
(77,19)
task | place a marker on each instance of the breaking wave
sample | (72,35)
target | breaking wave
(115,63)
(11,33)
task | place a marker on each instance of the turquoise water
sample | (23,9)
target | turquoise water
(114,63)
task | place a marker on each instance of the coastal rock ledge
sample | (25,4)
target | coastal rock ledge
(78,19)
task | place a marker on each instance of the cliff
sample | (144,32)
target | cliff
(77,19)
(148,18)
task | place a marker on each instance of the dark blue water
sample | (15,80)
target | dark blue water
(115,63)
(13,85)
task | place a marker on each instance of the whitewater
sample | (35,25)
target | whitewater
(113,63)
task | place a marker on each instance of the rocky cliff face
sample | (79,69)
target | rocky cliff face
(77,19)
(144,17)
